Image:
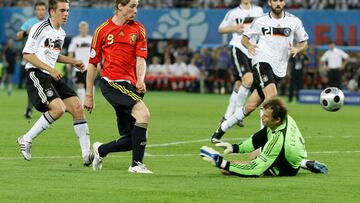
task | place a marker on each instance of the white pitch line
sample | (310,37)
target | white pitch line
(162,155)
(334,152)
(232,139)
(177,143)
(182,155)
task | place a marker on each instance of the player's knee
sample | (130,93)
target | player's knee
(144,116)
(77,110)
(250,107)
(270,95)
(57,111)
(247,80)
(141,113)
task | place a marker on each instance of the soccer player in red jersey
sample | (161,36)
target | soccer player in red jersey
(121,43)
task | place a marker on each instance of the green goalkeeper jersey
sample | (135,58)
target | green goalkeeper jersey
(281,151)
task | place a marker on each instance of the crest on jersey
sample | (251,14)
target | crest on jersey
(121,33)
(264,78)
(133,38)
(49,93)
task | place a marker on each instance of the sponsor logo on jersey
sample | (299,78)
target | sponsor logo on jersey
(82,45)
(53,44)
(276,31)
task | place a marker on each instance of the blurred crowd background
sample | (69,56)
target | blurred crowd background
(173,65)
(203,4)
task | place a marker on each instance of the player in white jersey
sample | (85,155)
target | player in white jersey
(80,48)
(276,32)
(47,92)
(236,21)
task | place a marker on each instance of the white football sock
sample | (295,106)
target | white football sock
(242,96)
(82,131)
(239,114)
(232,105)
(303,163)
(81,93)
(41,124)
(261,113)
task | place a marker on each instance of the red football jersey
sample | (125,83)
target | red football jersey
(118,46)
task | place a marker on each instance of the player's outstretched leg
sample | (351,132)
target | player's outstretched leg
(314,166)
(25,148)
(88,159)
(139,168)
(217,135)
(97,162)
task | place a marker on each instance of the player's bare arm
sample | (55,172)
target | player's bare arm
(69,66)
(21,35)
(239,28)
(140,74)
(301,46)
(249,46)
(35,61)
(89,104)
(69,60)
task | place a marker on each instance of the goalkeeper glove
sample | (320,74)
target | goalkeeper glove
(210,155)
(228,148)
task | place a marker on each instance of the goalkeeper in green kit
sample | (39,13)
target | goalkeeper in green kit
(278,149)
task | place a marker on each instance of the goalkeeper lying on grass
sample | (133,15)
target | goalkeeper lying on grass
(278,149)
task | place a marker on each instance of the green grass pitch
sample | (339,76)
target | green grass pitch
(180,124)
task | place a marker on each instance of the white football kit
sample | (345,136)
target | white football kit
(243,16)
(275,36)
(45,42)
(81,48)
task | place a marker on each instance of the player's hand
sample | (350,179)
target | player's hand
(79,65)
(228,148)
(211,155)
(140,87)
(252,49)
(89,103)
(56,74)
(239,28)
(293,50)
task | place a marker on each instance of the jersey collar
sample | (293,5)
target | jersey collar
(272,17)
(250,8)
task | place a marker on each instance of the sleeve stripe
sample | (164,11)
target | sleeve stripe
(40,29)
(271,145)
(143,33)
(96,33)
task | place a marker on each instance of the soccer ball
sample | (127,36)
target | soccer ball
(331,99)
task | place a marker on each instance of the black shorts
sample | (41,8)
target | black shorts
(263,76)
(80,77)
(242,63)
(42,89)
(121,95)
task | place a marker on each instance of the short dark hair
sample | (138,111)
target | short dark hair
(53,4)
(39,3)
(122,2)
(278,107)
